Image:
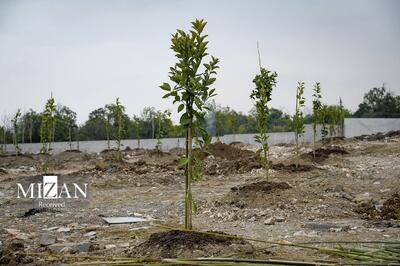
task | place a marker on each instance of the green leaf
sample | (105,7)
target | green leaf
(180,107)
(166,87)
(194,206)
(185,120)
(183,161)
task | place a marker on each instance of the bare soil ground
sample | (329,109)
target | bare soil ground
(348,192)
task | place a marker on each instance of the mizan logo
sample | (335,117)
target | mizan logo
(49,189)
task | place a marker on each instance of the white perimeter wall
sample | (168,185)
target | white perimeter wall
(367,126)
(353,127)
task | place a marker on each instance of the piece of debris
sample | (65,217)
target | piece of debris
(90,234)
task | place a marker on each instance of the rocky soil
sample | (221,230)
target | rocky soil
(348,192)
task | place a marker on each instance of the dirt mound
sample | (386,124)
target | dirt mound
(389,210)
(139,167)
(324,153)
(224,151)
(176,243)
(254,194)
(379,136)
(213,166)
(226,159)
(333,140)
(292,167)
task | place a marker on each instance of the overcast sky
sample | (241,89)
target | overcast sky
(90,52)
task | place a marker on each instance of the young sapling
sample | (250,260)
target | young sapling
(192,80)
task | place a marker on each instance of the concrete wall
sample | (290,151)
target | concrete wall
(367,126)
(353,127)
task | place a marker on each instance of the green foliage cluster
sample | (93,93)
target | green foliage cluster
(264,82)
(192,79)
(298,119)
(47,126)
(317,112)
(117,112)
(378,102)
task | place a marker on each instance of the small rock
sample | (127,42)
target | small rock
(279,219)
(12,231)
(17,234)
(110,246)
(363,198)
(67,250)
(346,195)
(51,228)
(123,245)
(376,183)
(47,239)
(90,234)
(270,221)
(63,229)
(2,194)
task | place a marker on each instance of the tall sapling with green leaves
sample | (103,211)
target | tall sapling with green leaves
(118,113)
(47,125)
(192,80)
(298,119)
(265,81)
(317,106)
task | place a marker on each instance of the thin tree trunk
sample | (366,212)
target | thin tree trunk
(4,140)
(297,128)
(189,173)
(314,136)
(30,130)
(108,139)
(266,163)
(23,132)
(70,138)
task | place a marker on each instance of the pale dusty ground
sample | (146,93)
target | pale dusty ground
(325,195)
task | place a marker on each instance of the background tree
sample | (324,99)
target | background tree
(15,121)
(66,124)
(136,127)
(191,91)
(316,112)
(298,119)
(264,82)
(32,121)
(378,102)
(95,127)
